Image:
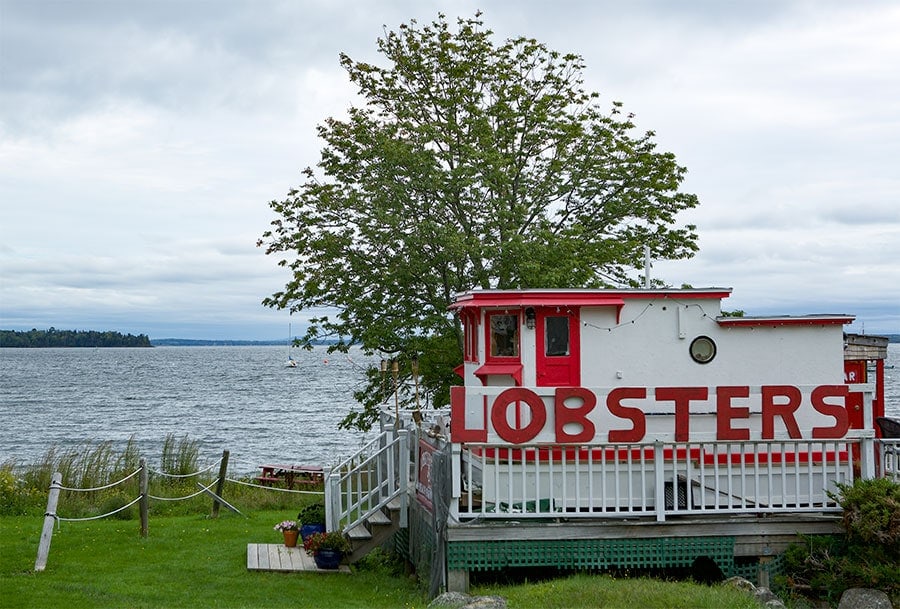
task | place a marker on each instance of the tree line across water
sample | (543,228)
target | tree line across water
(71,338)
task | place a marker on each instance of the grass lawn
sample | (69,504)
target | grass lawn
(192,561)
(186,561)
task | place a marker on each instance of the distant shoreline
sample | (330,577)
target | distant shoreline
(66,338)
(189,342)
(53,338)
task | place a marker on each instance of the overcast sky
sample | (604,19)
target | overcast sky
(140,142)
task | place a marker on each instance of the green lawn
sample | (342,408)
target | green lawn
(192,561)
(186,561)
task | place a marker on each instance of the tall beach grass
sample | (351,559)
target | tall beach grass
(24,488)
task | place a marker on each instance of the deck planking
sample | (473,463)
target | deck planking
(278,557)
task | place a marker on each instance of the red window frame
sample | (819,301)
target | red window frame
(470,336)
(488,336)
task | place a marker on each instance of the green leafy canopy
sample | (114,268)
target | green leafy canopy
(470,165)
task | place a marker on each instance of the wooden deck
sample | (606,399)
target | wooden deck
(754,534)
(278,557)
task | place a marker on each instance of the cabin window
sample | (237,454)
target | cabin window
(703,349)
(556,336)
(504,335)
(470,324)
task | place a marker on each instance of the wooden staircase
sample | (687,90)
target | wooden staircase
(367,495)
(376,529)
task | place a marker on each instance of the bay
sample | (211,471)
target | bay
(241,399)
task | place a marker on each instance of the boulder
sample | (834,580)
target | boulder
(741,584)
(450,600)
(457,600)
(764,595)
(486,602)
(864,598)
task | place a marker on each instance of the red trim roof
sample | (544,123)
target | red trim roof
(573,298)
(513,370)
(787,320)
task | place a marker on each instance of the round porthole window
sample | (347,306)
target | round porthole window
(703,349)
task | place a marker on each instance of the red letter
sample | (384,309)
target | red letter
(838,411)
(458,431)
(786,411)
(682,397)
(565,415)
(498,415)
(638,422)
(725,412)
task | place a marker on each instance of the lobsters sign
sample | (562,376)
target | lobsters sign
(518,415)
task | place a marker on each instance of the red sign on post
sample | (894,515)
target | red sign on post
(854,371)
(423,480)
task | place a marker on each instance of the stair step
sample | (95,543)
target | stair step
(394,504)
(358,533)
(378,517)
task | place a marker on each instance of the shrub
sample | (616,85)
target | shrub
(867,556)
(16,497)
(872,514)
(314,513)
(116,501)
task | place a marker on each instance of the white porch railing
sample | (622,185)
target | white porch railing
(368,481)
(660,479)
(888,462)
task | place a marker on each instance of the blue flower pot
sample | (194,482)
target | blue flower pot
(328,559)
(309,529)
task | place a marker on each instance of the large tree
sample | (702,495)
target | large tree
(470,165)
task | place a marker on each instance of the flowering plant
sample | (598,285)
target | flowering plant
(287,525)
(334,540)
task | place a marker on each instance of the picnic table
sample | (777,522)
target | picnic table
(290,475)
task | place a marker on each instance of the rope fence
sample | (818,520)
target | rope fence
(51,517)
(101,488)
(275,488)
(115,511)
(212,465)
(202,490)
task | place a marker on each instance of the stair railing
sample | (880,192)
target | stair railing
(368,481)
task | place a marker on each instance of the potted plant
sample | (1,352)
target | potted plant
(311,519)
(327,549)
(290,530)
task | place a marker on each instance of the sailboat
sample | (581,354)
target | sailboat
(291,362)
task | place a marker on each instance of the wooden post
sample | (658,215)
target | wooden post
(40,562)
(145,498)
(403,478)
(417,415)
(395,369)
(332,499)
(220,486)
(455,480)
(219,499)
(660,482)
(762,571)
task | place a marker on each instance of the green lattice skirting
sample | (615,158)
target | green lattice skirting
(591,553)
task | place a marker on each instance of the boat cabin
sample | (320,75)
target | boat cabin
(634,429)
(644,365)
(605,409)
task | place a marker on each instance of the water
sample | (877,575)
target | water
(242,399)
(892,382)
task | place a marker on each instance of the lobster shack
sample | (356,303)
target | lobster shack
(644,428)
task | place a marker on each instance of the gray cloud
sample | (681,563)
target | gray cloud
(140,142)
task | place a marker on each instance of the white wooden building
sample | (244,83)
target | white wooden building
(638,428)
